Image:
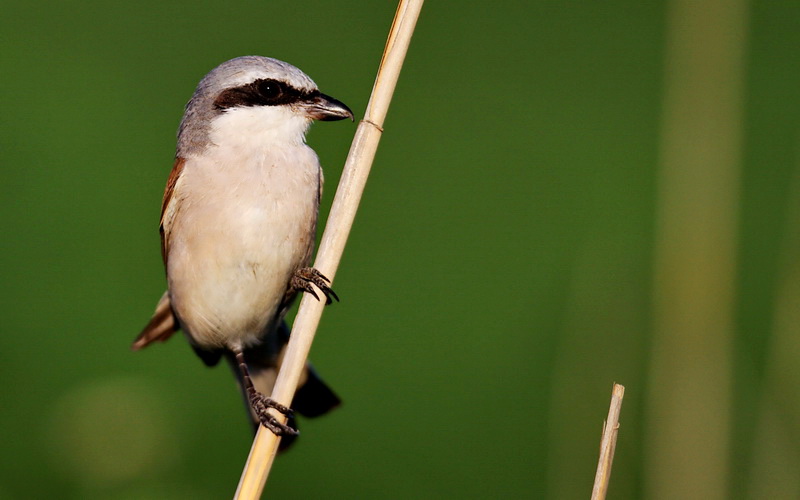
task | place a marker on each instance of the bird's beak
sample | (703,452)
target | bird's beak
(326,108)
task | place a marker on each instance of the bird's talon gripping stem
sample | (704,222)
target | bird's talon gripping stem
(261,404)
(303,278)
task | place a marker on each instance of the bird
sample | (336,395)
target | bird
(238,227)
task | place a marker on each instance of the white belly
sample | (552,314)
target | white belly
(240,232)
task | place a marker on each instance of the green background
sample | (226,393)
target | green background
(498,279)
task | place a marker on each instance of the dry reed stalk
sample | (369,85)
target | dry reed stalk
(608,444)
(348,195)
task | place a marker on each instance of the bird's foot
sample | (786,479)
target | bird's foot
(304,277)
(261,404)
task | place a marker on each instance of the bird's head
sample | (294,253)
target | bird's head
(254,99)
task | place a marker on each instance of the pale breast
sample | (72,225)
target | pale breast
(241,229)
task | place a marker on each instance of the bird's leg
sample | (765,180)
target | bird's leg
(260,403)
(303,278)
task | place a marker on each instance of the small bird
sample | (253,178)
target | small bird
(238,226)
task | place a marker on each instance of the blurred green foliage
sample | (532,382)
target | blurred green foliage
(497,281)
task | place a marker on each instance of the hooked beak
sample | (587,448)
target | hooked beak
(325,108)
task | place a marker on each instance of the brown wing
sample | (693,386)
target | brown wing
(168,208)
(161,326)
(163,323)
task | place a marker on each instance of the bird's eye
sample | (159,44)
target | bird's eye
(270,89)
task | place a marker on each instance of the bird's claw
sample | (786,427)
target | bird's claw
(303,278)
(261,404)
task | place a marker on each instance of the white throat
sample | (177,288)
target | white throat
(257,127)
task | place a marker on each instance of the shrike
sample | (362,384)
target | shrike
(238,224)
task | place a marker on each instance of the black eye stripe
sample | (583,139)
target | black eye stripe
(262,92)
